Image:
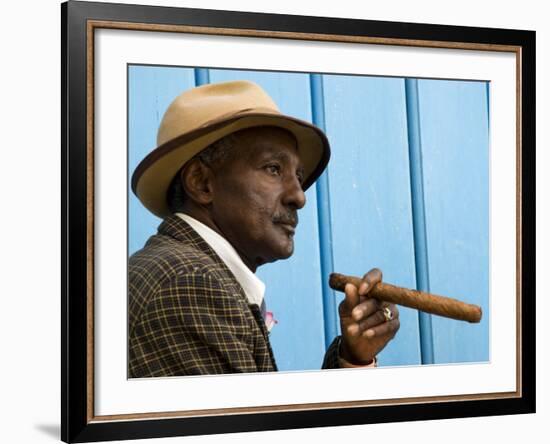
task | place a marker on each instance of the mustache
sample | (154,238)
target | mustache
(290,218)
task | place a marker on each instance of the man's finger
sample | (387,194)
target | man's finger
(373,320)
(370,279)
(351,299)
(365,309)
(385,329)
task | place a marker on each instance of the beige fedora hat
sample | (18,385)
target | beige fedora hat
(199,117)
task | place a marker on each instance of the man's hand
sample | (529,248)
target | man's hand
(365,328)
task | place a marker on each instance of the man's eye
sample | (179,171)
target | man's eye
(273,169)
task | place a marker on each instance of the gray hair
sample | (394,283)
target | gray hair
(216,153)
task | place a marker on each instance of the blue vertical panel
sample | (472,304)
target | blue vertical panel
(454,127)
(202,76)
(419,216)
(293,290)
(488,91)
(370,191)
(150,90)
(323,216)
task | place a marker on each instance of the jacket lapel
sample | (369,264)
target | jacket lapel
(177,228)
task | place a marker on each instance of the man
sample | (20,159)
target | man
(228,177)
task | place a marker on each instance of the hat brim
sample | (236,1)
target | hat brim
(152,177)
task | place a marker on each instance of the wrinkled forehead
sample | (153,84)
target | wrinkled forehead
(264,140)
(267,133)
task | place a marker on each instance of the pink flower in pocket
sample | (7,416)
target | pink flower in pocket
(270,321)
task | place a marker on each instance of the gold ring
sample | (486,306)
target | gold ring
(388,315)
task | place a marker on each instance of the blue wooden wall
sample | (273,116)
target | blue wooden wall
(406,191)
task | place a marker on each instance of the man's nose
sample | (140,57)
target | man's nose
(294,194)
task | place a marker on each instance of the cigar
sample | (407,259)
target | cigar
(419,300)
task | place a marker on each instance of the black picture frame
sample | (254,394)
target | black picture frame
(78,423)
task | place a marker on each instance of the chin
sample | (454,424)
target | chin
(286,251)
(281,253)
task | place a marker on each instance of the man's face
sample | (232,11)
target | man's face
(257,193)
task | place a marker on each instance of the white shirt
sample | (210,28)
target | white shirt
(253,287)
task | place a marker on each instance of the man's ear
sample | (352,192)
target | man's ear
(196,179)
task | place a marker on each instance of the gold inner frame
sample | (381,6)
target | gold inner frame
(95,24)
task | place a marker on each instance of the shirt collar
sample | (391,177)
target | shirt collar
(253,287)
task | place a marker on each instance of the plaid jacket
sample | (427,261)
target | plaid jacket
(188,315)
